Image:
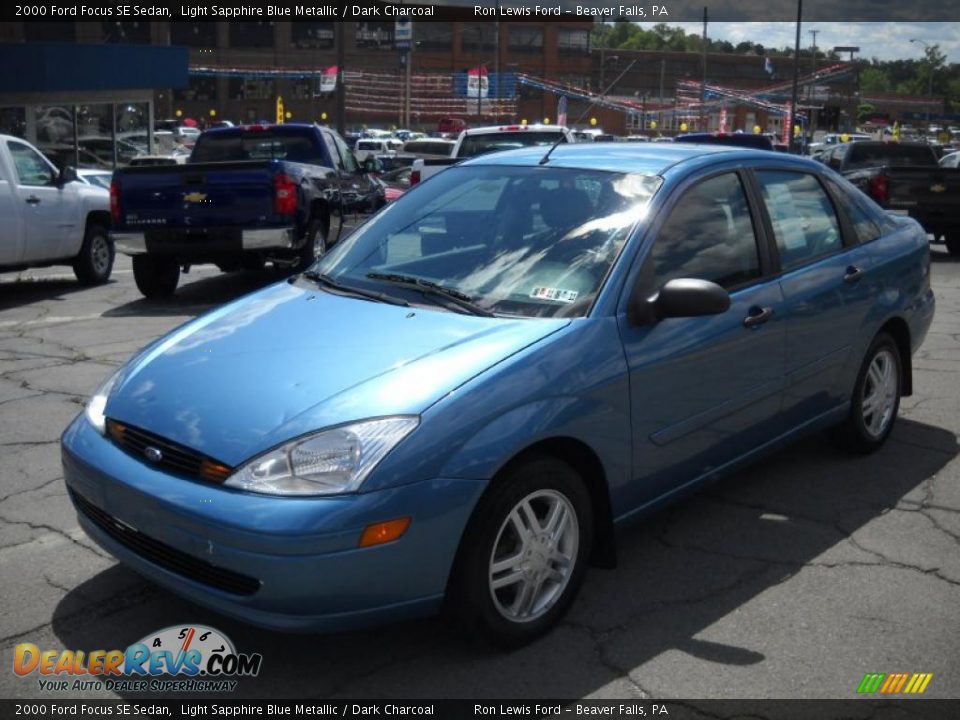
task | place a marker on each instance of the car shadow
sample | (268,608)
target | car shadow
(26,291)
(194,297)
(939,254)
(680,572)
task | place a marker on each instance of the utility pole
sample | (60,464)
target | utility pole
(796,79)
(341,91)
(663,67)
(703,81)
(812,95)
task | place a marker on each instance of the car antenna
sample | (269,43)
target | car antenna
(601,96)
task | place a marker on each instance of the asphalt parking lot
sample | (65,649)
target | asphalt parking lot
(791,579)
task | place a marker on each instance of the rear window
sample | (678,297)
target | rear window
(861,155)
(253,145)
(495,142)
(757,142)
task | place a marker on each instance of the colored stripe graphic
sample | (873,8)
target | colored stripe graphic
(871,682)
(894,683)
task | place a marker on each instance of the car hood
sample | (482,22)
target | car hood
(290,360)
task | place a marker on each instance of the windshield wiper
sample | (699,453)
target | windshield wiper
(427,287)
(329,282)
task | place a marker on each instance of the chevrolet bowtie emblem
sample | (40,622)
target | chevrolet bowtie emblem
(938,188)
(194,197)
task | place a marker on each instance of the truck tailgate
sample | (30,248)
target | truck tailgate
(201,195)
(936,190)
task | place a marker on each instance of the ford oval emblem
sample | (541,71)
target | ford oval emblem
(153,454)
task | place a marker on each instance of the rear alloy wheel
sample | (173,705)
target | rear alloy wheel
(524,553)
(94,263)
(156,276)
(876,397)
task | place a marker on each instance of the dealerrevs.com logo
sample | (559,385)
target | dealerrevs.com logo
(180,658)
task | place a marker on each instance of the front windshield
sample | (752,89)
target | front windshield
(518,241)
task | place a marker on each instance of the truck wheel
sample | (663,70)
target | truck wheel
(524,553)
(953,242)
(95,262)
(156,277)
(315,242)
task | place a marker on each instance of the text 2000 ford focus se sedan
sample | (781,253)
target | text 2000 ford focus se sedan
(460,401)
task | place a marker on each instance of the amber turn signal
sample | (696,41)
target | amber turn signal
(384,532)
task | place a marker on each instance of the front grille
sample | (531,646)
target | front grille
(167,455)
(165,556)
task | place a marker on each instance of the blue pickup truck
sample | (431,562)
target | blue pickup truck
(247,195)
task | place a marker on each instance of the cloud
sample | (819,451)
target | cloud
(882,40)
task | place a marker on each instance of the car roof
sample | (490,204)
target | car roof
(643,158)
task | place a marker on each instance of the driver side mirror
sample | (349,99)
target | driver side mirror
(682,297)
(68,174)
(372,165)
(834,163)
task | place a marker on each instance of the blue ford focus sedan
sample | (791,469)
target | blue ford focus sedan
(458,403)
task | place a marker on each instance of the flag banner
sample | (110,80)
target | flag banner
(478,82)
(328,80)
(562,110)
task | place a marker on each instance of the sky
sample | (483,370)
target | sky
(883,40)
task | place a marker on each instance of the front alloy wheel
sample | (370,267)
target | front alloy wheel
(533,556)
(524,552)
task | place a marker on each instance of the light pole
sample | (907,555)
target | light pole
(926,47)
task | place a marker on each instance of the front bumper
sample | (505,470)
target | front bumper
(205,240)
(301,554)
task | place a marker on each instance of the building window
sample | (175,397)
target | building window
(199,87)
(433,35)
(312,35)
(251,34)
(194,34)
(302,88)
(45,31)
(13,121)
(251,88)
(375,35)
(125,32)
(524,39)
(479,37)
(573,42)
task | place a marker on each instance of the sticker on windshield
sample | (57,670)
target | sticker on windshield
(556,294)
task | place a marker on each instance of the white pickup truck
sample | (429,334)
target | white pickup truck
(49,218)
(481,140)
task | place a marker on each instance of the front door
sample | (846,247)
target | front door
(704,390)
(46,218)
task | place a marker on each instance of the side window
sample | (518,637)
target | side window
(709,235)
(331,147)
(32,169)
(804,221)
(863,226)
(346,155)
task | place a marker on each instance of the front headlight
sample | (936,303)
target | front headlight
(329,462)
(98,403)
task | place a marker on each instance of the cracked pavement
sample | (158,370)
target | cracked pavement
(792,578)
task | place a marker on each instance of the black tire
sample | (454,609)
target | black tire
(952,239)
(865,430)
(156,276)
(94,263)
(474,603)
(315,244)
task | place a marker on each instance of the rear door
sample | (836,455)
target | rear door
(827,287)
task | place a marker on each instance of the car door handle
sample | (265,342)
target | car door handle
(757,316)
(853,274)
(33,200)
